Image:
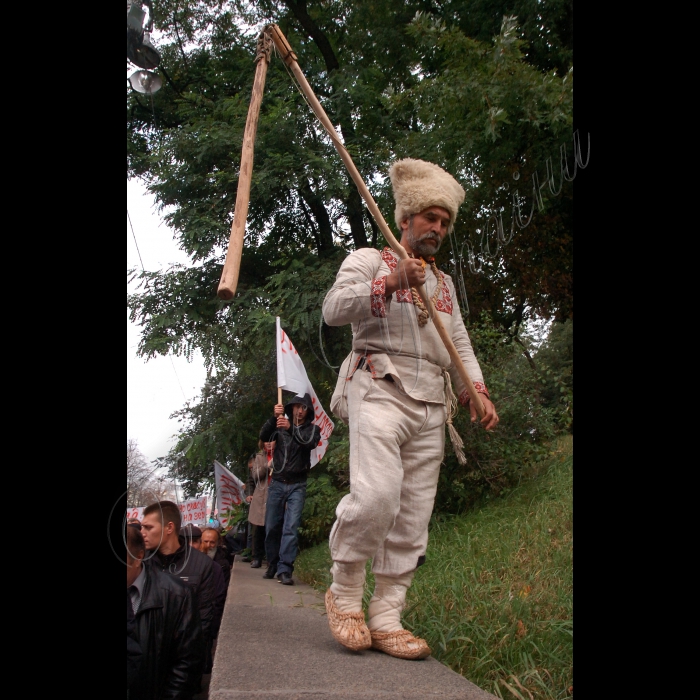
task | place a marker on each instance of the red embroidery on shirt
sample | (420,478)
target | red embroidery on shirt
(480,388)
(404,296)
(444,303)
(389,259)
(377,297)
(371,366)
(367,363)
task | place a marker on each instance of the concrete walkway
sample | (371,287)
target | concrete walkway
(274,643)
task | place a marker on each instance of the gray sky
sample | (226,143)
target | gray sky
(158,387)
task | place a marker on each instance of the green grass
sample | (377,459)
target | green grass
(494,598)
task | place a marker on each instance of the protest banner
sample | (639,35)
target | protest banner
(135,513)
(291,375)
(230,491)
(192,511)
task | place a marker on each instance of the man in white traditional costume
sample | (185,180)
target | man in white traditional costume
(393,391)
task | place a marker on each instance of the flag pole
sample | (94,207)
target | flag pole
(278,328)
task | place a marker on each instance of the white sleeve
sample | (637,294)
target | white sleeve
(357,293)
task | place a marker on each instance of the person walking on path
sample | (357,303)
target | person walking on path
(256,489)
(172,554)
(201,541)
(166,624)
(394,392)
(212,546)
(295,436)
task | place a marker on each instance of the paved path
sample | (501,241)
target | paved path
(274,644)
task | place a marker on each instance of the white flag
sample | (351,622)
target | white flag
(230,490)
(292,376)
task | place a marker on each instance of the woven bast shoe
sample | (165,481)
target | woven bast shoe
(349,629)
(401,644)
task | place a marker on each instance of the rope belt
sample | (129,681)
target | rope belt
(451,407)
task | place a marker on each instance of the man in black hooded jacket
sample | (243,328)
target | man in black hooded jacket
(295,436)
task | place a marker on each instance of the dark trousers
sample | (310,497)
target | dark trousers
(258,546)
(285,503)
(209,654)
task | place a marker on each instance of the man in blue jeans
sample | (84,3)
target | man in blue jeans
(295,436)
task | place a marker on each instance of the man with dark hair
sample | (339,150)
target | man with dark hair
(296,436)
(171,553)
(166,622)
(193,535)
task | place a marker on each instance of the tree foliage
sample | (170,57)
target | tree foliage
(145,484)
(485,89)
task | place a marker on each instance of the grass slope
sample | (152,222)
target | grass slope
(494,598)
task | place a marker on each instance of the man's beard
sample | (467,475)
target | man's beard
(211,553)
(421,247)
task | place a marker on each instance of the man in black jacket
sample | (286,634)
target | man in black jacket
(171,553)
(212,547)
(133,648)
(193,535)
(296,436)
(167,627)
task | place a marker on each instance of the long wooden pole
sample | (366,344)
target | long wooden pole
(232,265)
(289,57)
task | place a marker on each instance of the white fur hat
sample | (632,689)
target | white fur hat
(418,185)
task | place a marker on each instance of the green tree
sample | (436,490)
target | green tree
(487,97)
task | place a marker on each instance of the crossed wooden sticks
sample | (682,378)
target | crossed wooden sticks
(232,265)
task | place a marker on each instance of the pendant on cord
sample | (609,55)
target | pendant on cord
(423,315)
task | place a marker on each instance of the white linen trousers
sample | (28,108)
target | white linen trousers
(396,448)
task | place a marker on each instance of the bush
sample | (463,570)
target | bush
(534,404)
(318,515)
(555,362)
(495,460)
